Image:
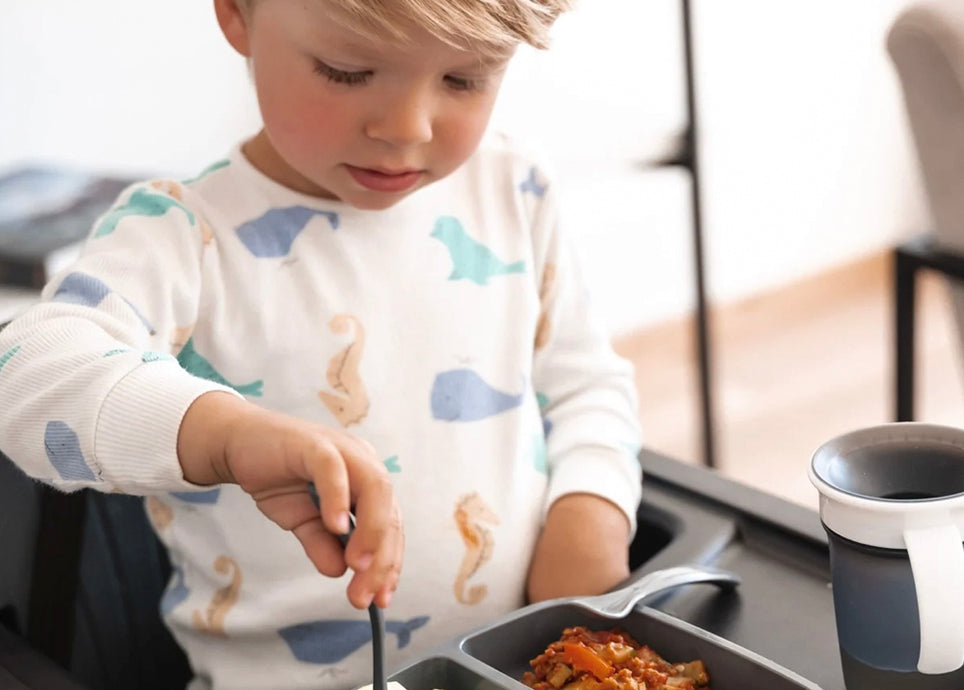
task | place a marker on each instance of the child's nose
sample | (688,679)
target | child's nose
(403,121)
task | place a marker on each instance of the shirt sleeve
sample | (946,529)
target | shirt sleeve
(587,393)
(90,392)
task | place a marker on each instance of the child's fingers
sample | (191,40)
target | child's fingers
(378,524)
(326,464)
(380,578)
(294,510)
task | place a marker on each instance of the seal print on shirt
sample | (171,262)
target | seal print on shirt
(211,620)
(350,404)
(471,516)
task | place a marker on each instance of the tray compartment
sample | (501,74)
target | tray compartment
(509,644)
(444,673)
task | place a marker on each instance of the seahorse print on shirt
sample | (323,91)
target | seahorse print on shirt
(62,446)
(546,294)
(272,234)
(461,395)
(211,620)
(141,203)
(471,260)
(471,513)
(158,512)
(330,641)
(350,404)
(195,364)
(86,290)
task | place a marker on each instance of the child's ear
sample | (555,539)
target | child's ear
(233,20)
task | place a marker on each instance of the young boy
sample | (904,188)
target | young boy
(369,296)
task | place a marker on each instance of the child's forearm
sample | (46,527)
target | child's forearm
(582,549)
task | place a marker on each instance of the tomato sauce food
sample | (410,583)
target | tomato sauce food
(609,660)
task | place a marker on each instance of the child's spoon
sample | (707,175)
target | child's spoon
(379,681)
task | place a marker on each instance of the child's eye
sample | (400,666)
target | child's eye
(340,76)
(462,83)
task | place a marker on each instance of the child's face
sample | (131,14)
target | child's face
(353,119)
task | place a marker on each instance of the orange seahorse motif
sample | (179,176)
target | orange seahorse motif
(352,405)
(158,512)
(544,327)
(211,620)
(175,190)
(470,512)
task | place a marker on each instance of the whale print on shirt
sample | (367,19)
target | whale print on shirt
(461,395)
(195,364)
(207,498)
(327,642)
(471,260)
(272,234)
(7,355)
(86,290)
(141,203)
(63,450)
(176,593)
(532,184)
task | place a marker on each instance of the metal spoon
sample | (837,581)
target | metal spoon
(618,603)
(375,615)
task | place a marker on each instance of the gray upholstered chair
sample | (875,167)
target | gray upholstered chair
(926,45)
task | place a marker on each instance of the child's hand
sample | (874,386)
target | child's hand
(273,457)
(583,549)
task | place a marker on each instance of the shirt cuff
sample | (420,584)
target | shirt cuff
(135,439)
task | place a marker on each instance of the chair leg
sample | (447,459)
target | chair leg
(905,272)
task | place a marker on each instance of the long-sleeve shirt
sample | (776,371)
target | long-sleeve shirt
(452,331)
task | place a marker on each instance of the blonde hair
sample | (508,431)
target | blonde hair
(485,25)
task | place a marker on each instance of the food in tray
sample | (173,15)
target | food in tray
(609,660)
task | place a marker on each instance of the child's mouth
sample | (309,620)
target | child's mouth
(379,181)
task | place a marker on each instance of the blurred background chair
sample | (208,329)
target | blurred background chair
(926,46)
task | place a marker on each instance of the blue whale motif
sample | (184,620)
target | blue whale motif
(461,395)
(272,234)
(327,642)
(531,184)
(209,497)
(176,593)
(64,452)
(80,288)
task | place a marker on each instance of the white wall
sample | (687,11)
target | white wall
(806,161)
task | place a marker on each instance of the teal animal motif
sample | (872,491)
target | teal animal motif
(63,450)
(192,362)
(330,641)
(141,203)
(391,464)
(540,456)
(208,170)
(461,395)
(7,355)
(471,260)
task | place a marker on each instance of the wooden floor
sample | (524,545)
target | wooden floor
(792,369)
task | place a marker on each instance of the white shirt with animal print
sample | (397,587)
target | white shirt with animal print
(452,331)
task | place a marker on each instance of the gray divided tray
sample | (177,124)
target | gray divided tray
(496,656)
(774,631)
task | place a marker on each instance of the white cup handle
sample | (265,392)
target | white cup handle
(937,561)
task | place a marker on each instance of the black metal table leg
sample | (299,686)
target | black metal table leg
(905,275)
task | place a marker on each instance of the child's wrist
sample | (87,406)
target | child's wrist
(202,438)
